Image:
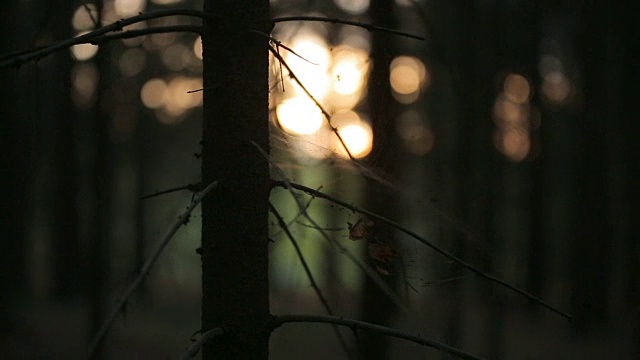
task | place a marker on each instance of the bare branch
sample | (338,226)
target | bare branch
(322,109)
(366,26)
(190,187)
(279,320)
(128,34)
(90,12)
(306,267)
(384,287)
(194,348)
(121,302)
(436,248)
(310,276)
(295,218)
(279,43)
(116,26)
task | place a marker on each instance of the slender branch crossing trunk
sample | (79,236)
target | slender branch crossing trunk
(234,220)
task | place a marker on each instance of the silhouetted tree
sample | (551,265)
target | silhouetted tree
(235,291)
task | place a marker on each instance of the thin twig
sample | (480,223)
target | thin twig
(384,287)
(194,348)
(190,187)
(128,34)
(279,320)
(369,27)
(324,112)
(94,19)
(310,276)
(121,302)
(305,265)
(436,248)
(279,43)
(444,281)
(116,26)
(295,218)
(324,228)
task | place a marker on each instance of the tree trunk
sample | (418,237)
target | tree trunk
(593,228)
(234,218)
(16,158)
(66,250)
(376,305)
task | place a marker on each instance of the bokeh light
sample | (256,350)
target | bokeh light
(556,87)
(353,7)
(126,8)
(299,115)
(513,143)
(197,47)
(153,93)
(311,66)
(517,88)
(513,116)
(358,138)
(407,76)
(507,112)
(82,17)
(180,98)
(355,132)
(349,70)
(83,52)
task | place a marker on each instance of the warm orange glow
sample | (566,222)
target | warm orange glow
(126,8)
(407,76)
(556,87)
(350,66)
(354,7)
(154,93)
(108,14)
(313,76)
(179,95)
(82,52)
(299,115)
(404,79)
(358,138)
(517,88)
(197,47)
(81,19)
(510,113)
(355,132)
(513,143)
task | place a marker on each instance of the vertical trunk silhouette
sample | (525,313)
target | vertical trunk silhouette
(376,305)
(66,247)
(16,162)
(235,292)
(97,256)
(601,117)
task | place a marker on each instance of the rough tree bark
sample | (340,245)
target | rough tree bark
(234,218)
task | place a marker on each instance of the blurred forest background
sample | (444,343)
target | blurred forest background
(506,137)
